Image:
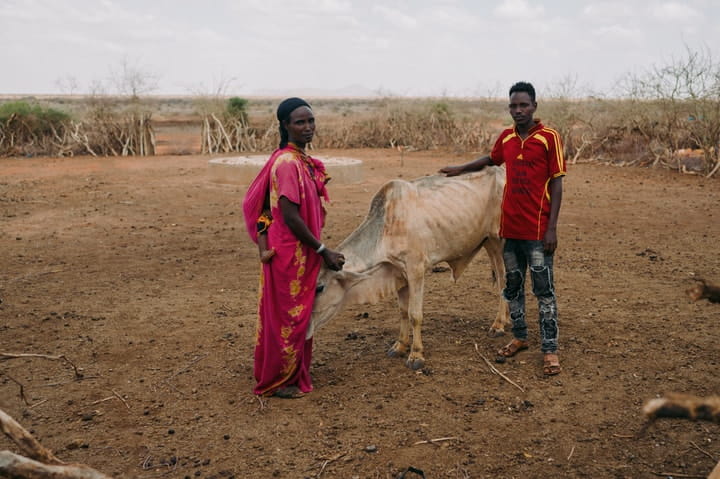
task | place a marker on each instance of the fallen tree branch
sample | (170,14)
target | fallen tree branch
(15,465)
(27,444)
(41,463)
(495,370)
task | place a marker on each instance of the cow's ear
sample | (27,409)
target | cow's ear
(348,279)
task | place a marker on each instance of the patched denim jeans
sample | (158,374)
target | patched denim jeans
(518,256)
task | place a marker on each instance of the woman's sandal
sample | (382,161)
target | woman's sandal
(551,364)
(289,392)
(512,348)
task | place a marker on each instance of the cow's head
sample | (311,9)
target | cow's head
(331,295)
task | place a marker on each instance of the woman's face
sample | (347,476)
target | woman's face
(300,126)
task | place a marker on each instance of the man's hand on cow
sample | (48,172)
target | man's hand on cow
(333,260)
(452,170)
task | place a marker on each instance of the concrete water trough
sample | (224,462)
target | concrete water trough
(241,170)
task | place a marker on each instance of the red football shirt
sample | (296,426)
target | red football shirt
(530,164)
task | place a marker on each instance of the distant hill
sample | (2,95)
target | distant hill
(351,91)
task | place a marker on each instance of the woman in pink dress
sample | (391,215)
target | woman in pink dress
(292,184)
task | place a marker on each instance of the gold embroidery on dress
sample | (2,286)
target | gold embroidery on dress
(296,311)
(294,287)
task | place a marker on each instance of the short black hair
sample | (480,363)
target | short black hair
(523,86)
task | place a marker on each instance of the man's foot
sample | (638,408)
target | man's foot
(551,364)
(267,255)
(289,392)
(512,348)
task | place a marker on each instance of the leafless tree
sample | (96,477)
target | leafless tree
(133,79)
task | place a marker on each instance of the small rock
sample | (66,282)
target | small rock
(371,448)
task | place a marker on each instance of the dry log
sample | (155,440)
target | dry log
(28,444)
(715,474)
(41,463)
(14,465)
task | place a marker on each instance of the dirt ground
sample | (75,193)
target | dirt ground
(138,270)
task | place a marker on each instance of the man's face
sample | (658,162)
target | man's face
(522,108)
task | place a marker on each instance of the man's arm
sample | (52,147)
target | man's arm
(475,165)
(550,239)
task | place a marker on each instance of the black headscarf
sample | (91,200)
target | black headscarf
(288,106)
(285,108)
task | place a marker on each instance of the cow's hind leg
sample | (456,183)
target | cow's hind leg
(494,249)
(416,286)
(401,346)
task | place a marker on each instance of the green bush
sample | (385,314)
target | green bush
(36,119)
(237,108)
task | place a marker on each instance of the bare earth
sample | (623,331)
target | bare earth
(139,271)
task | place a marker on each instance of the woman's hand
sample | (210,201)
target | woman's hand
(333,259)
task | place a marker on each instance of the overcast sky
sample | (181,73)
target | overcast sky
(400,47)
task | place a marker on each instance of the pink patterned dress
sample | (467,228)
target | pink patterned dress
(287,282)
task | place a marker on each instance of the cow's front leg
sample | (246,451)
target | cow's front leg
(401,346)
(494,249)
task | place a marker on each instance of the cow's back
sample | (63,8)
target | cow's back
(441,218)
(446,217)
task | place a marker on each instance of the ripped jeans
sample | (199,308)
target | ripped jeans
(518,255)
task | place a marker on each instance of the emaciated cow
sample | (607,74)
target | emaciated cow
(412,226)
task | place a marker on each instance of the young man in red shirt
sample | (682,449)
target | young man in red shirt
(535,165)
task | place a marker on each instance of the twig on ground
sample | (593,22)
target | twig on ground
(495,370)
(676,474)
(328,461)
(38,403)
(22,389)
(703,451)
(120,398)
(61,357)
(571,453)
(433,441)
(188,366)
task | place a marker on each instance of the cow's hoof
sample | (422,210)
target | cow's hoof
(396,350)
(415,364)
(495,333)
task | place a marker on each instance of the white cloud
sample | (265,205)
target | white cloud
(395,17)
(519,9)
(617,32)
(601,11)
(675,12)
(405,46)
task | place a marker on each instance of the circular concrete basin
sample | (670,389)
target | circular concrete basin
(241,170)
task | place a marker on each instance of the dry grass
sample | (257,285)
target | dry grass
(622,132)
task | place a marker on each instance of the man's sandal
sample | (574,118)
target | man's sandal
(551,364)
(512,348)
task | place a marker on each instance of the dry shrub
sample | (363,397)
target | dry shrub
(103,131)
